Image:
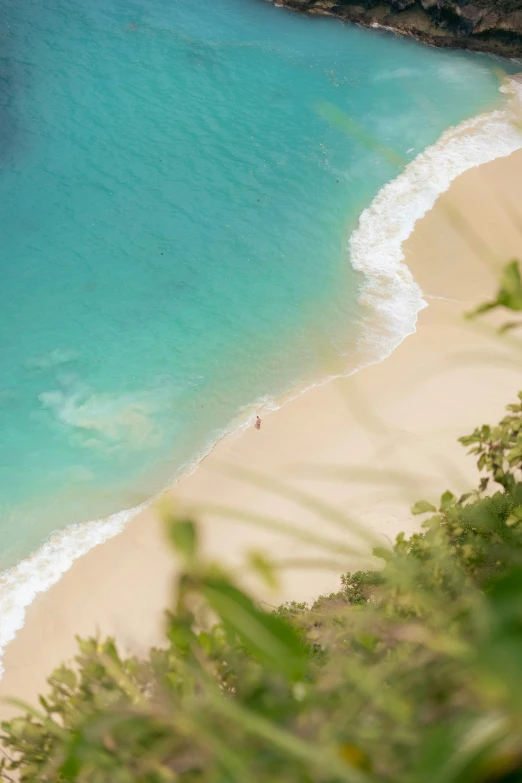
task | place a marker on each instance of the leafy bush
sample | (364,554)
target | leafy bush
(410,673)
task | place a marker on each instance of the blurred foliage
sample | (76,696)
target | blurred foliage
(508,296)
(408,674)
(499,449)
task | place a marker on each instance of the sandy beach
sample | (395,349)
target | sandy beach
(367,446)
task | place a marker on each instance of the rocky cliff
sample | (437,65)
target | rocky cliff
(483,25)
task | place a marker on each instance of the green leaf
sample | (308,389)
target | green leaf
(446,500)
(268,637)
(181,635)
(515,454)
(207,642)
(432,523)
(63,675)
(510,294)
(515,517)
(383,553)
(264,567)
(422,507)
(467,440)
(71,766)
(183,535)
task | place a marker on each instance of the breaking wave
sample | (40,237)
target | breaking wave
(391,297)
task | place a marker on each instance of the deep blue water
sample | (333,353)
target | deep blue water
(175,206)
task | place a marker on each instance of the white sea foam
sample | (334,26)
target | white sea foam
(391,295)
(20,585)
(37,573)
(393,299)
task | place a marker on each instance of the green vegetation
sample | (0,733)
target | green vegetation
(409,674)
(509,295)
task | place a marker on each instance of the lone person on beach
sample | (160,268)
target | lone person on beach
(258,423)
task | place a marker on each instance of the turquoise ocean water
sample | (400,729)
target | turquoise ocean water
(175,209)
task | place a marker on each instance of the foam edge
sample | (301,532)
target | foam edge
(391,297)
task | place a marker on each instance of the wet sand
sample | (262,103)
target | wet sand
(367,446)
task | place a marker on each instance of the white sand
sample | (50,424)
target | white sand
(368,445)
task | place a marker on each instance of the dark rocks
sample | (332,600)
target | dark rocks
(483,25)
(401,5)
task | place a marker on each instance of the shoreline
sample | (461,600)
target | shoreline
(121,522)
(368,256)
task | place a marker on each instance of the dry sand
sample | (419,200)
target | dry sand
(368,445)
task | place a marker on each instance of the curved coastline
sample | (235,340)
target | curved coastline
(390,292)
